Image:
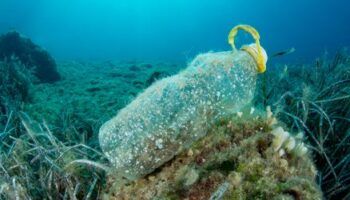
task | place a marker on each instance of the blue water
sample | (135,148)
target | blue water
(175,30)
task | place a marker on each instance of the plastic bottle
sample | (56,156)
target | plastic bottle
(176,111)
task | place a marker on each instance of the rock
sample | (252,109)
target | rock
(134,68)
(156,75)
(29,54)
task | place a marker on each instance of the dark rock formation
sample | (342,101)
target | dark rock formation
(29,54)
(156,75)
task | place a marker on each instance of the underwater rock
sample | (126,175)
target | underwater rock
(129,76)
(157,75)
(134,68)
(93,89)
(146,65)
(237,159)
(29,54)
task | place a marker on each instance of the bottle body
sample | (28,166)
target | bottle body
(176,111)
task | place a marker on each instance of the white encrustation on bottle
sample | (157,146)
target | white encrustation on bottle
(176,111)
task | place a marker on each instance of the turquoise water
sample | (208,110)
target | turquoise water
(178,30)
(67,67)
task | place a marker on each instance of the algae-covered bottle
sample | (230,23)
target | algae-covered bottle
(178,110)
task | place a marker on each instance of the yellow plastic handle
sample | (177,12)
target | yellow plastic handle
(259,58)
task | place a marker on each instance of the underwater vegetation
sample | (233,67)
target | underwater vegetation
(15,83)
(35,165)
(49,147)
(315,99)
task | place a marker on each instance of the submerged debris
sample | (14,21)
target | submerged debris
(176,111)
